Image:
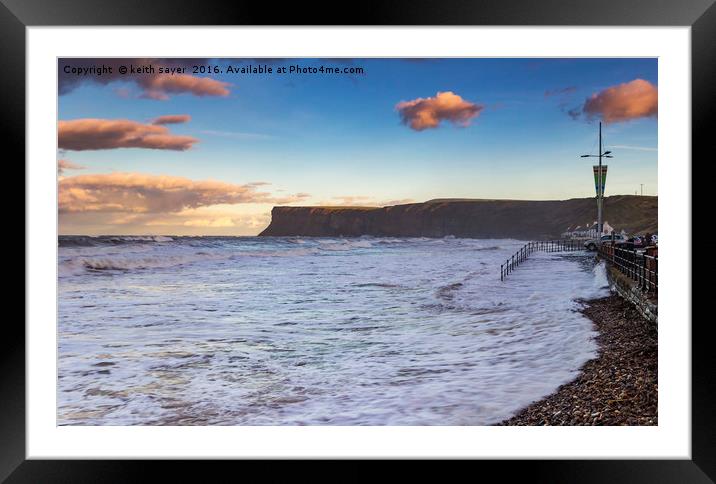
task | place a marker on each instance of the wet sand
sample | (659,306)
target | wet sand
(619,387)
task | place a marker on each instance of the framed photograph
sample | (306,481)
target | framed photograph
(432,234)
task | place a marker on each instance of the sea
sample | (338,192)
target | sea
(314,331)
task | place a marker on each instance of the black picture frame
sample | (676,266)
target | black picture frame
(700,15)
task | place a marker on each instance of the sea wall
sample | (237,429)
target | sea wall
(519,219)
(628,289)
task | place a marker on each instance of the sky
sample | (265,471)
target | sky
(206,148)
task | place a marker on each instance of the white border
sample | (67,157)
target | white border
(671,439)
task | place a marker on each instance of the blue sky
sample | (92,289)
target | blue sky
(333,136)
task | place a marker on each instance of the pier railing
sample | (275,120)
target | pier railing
(543,245)
(640,267)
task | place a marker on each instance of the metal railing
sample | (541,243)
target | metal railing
(544,245)
(640,267)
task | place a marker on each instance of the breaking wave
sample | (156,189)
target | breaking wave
(105,240)
(122,263)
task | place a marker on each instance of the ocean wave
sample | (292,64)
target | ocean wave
(600,276)
(77,260)
(281,253)
(123,263)
(345,244)
(103,240)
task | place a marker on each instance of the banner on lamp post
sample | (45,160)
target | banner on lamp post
(599,187)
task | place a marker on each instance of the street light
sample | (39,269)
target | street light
(600,185)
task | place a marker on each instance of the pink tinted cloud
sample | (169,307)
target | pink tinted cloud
(105,134)
(172,119)
(624,102)
(142,193)
(63,165)
(424,113)
(161,85)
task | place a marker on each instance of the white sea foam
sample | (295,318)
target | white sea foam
(273,331)
(145,238)
(348,244)
(600,276)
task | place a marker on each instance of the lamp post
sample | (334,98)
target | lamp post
(600,184)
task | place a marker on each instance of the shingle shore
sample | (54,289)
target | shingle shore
(619,387)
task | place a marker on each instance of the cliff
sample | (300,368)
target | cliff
(519,219)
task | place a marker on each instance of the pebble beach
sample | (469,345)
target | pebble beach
(619,387)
